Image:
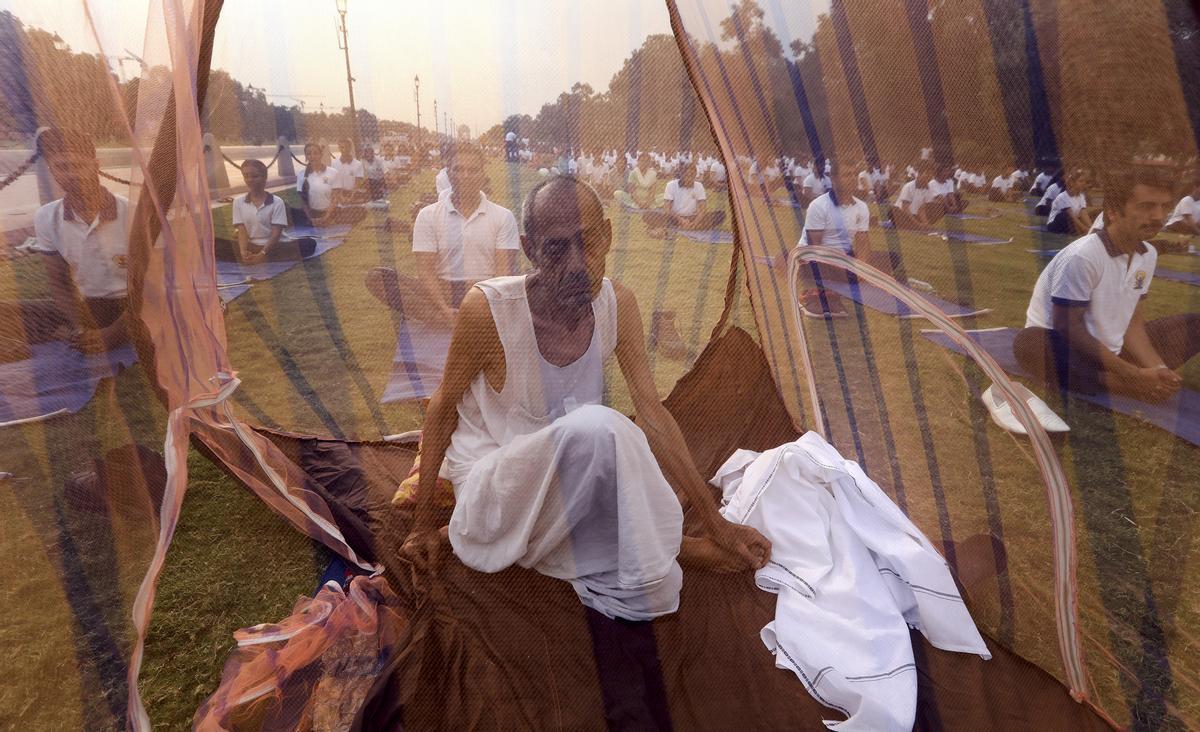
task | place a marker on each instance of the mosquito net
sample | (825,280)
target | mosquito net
(245,358)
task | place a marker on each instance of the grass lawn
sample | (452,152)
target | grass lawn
(314,351)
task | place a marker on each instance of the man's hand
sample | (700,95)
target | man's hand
(743,541)
(424,547)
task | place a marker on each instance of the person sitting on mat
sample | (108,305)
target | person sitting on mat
(815,183)
(1053,188)
(259,218)
(685,206)
(458,240)
(945,189)
(374,174)
(318,188)
(1085,329)
(85,237)
(642,182)
(916,208)
(542,474)
(1043,179)
(350,171)
(1003,188)
(1185,219)
(1068,212)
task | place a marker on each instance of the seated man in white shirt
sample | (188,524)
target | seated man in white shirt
(916,208)
(1003,189)
(834,219)
(816,183)
(685,206)
(945,188)
(1185,219)
(643,182)
(1043,179)
(259,218)
(1085,330)
(459,240)
(1053,188)
(543,475)
(374,174)
(1068,212)
(85,237)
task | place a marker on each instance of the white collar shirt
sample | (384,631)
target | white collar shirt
(466,246)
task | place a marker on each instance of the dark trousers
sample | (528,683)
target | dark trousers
(1060,223)
(285,250)
(1049,358)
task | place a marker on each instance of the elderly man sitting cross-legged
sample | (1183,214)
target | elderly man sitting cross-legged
(543,475)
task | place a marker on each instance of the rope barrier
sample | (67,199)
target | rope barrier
(19,171)
(115,178)
(236,164)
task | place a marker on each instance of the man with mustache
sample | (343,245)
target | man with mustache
(544,476)
(1085,329)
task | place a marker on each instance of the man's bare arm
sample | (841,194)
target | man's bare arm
(666,440)
(472,344)
(507,261)
(62,288)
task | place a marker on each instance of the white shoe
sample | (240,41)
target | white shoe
(1002,413)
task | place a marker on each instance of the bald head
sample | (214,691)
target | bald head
(558,201)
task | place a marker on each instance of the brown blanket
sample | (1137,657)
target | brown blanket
(516,650)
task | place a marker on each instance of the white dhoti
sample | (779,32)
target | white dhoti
(584,500)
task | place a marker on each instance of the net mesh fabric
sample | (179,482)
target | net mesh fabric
(1074,554)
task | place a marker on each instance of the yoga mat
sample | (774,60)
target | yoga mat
(56,379)
(1188,278)
(421,350)
(340,231)
(1179,415)
(876,299)
(969,217)
(707,236)
(233,273)
(967,237)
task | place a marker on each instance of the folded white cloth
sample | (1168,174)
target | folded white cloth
(852,573)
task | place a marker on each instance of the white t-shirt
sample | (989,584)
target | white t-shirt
(442,181)
(1042,180)
(348,173)
(1066,200)
(941,187)
(95,251)
(913,198)
(320,187)
(815,184)
(510,137)
(466,247)
(840,222)
(374,170)
(1087,274)
(684,201)
(643,182)
(258,220)
(1051,193)
(1002,184)
(1187,206)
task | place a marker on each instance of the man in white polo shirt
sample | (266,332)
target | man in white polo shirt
(1084,329)
(85,237)
(685,206)
(916,206)
(1185,219)
(1068,212)
(461,239)
(349,169)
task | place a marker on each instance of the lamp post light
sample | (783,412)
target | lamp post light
(344,45)
(417,98)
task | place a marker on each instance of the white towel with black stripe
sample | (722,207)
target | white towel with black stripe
(852,574)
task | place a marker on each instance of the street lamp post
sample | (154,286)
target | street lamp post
(344,45)
(437,132)
(417,97)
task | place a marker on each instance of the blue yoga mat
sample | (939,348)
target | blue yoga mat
(968,217)
(707,236)
(340,231)
(968,238)
(1179,415)
(234,278)
(876,299)
(56,378)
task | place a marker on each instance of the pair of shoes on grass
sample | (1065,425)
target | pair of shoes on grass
(822,304)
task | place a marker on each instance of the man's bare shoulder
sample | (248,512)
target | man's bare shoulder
(475,315)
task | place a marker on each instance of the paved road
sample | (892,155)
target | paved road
(19,201)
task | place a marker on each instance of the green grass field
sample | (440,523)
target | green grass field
(314,351)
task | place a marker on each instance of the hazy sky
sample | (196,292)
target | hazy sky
(480,59)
